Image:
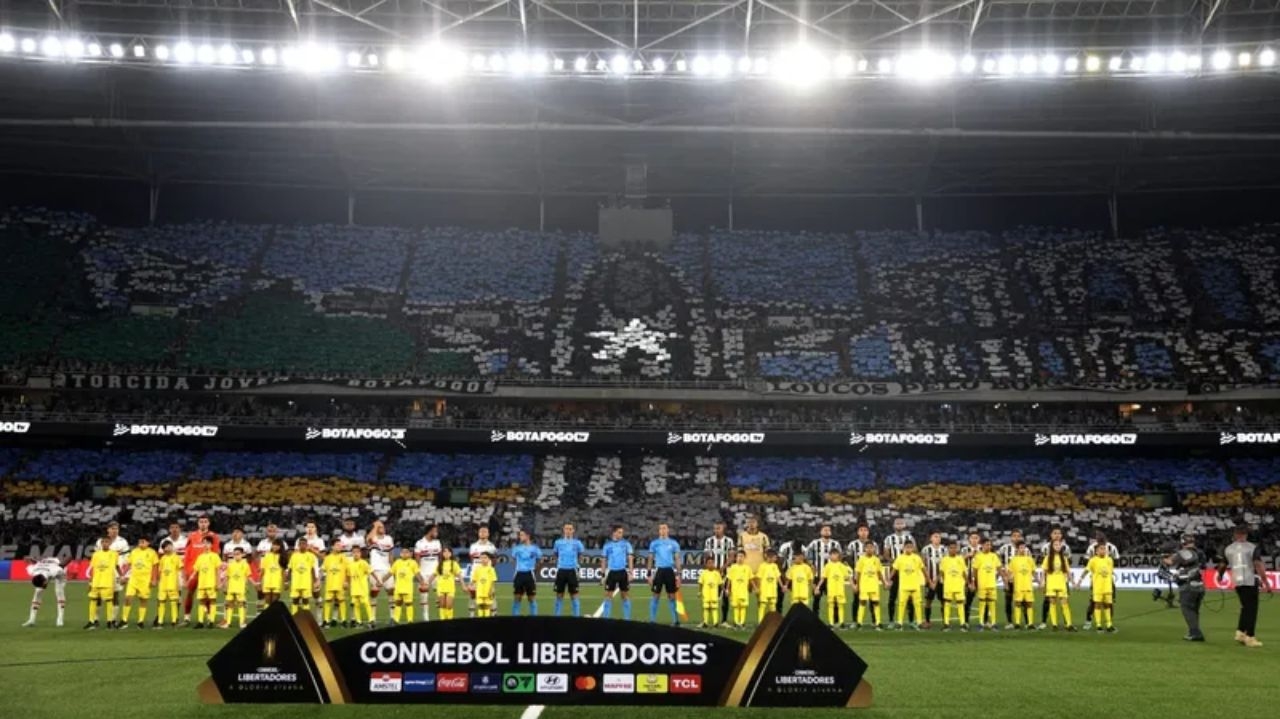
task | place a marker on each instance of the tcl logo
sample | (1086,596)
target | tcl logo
(686,683)
(451,682)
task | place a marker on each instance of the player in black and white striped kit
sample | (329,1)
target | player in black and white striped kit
(893,545)
(819,553)
(1114,553)
(720,548)
(859,545)
(786,552)
(932,553)
(1055,535)
(1007,552)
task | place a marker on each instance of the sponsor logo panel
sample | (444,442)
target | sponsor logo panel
(618,683)
(518,683)
(486,683)
(386,682)
(651,684)
(453,683)
(419,682)
(553,683)
(686,683)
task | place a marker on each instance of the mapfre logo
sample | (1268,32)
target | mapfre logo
(686,683)
(164,430)
(1249,438)
(498,435)
(1127,438)
(15,427)
(715,438)
(386,682)
(618,684)
(856,438)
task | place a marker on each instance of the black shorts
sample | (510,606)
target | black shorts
(524,584)
(566,578)
(933,593)
(617,579)
(664,580)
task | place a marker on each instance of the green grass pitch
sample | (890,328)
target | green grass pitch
(1144,670)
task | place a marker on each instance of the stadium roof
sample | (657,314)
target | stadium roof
(726,25)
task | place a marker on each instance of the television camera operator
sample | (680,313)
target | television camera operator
(1186,564)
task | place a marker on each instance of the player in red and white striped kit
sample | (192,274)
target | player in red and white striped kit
(380,545)
(427,552)
(479,548)
(43,572)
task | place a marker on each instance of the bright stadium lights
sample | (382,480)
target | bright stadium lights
(290,58)
(184,53)
(1008,65)
(619,64)
(1244,59)
(269,56)
(1177,61)
(863,65)
(761,66)
(682,66)
(139,51)
(116,50)
(94,49)
(479,62)
(844,66)
(51,47)
(925,66)
(968,64)
(602,65)
(162,52)
(354,59)
(744,65)
(801,66)
(227,55)
(206,55)
(372,59)
(7,43)
(637,65)
(1115,63)
(1137,63)
(1155,62)
(1049,64)
(1028,64)
(538,63)
(557,64)
(1071,64)
(659,65)
(246,56)
(701,66)
(1267,57)
(989,65)
(395,59)
(497,62)
(884,66)
(721,66)
(1194,62)
(580,64)
(1092,63)
(1221,60)
(28,45)
(74,48)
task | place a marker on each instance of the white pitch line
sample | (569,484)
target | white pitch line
(533,711)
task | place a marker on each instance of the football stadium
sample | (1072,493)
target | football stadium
(554,358)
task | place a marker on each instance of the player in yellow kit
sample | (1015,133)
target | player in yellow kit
(868,577)
(766,581)
(1101,569)
(710,587)
(955,577)
(207,568)
(446,582)
(908,573)
(103,566)
(334,570)
(1022,574)
(238,575)
(800,580)
(302,572)
(484,580)
(836,579)
(986,569)
(358,572)
(1057,571)
(143,566)
(271,573)
(739,576)
(171,583)
(404,571)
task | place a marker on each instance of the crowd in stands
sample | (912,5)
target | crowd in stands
(1031,304)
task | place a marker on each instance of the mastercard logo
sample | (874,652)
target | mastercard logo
(584,684)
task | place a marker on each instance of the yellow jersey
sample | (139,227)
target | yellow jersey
(302,569)
(142,565)
(768,575)
(836,577)
(170,573)
(754,545)
(1101,570)
(739,576)
(710,582)
(335,572)
(272,572)
(485,578)
(206,569)
(447,576)
(801,578)
(870,573)
(986,567)
(405,571)
(1023,569)
(358,572)
(910,569)
(954,573)
(238,571)
(1055,582)
(103,565)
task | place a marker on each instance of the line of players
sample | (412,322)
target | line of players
(901,576)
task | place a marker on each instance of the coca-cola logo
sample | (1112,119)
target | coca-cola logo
(451,682)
